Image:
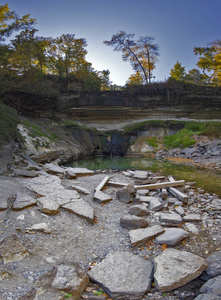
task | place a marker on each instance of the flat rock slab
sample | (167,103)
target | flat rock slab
(71,279)
(48,205)
(53,169)
(171,218)
(192,218)
(139,237)
(171,236)
(130,221)
(40,227)
(142,192)
(102,197)
(80,208)
(80,189)
(139,210)
(123,275)
(23,201)
(147,199)
(44,184)
(140,174)
(82,171)
(25,173)
(175,268)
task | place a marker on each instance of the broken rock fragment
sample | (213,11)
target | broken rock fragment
(130,221)
(81,208)
(126,194)
(171,236)
(123,275)
(140,236)
(102,197)
(175,268)
(71,279)
(139,210)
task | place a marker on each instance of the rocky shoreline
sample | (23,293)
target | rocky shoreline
(79,234)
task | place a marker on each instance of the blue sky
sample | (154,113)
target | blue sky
(177,25)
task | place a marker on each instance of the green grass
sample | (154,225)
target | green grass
(180,139)
(153,142)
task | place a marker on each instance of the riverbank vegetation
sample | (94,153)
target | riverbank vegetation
(184,136)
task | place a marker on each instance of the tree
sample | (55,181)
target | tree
(141,54)
(66,54)
(105,79)
(195,76)
(178,72)
(11,22)
(136,78)
(147,54)
(210,60)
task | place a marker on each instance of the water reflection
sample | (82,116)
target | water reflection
(206,179)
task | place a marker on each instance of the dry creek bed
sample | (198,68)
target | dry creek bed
(73,239)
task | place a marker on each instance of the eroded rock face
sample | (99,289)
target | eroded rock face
(175,268)
(123,275)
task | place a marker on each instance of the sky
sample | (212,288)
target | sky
(177,26)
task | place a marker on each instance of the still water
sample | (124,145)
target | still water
(206,179)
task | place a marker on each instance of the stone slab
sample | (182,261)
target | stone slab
(139,237)
(82,171)
(192,218)
(170,218)
(140,174)
(23,201)
(175,268)
(80,189)
(81,208)
(102,197)
(171,236)
(123,275)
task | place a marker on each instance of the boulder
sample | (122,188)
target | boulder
(214,265)
(212,286)
(139,210)
(123,275)
(71,279)
(139,237)
(130,221)
(126,194)
(171,236)
(175,268)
